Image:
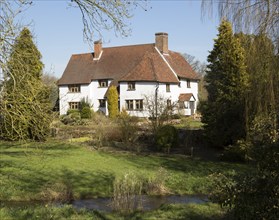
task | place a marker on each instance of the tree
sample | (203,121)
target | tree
(223,112)
(112,102)
(25,107)
(263,77)
(253,16)
(200,68)
(159,109)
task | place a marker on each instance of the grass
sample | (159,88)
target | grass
(189,211)
(26,169)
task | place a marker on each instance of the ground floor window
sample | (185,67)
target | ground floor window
(132,105)
(102,103)
(139,104)
(74,105)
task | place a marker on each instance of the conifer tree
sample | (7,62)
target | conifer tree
(112,102)
(25,108)
(223,113)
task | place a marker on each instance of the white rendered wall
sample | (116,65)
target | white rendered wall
(65,97)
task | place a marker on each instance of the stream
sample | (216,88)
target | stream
(147,202)
(105,204)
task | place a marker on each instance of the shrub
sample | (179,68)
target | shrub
(112,102)
(166,137)
(127,192)
(72,111)
(86,112)
(156,184)
(127,126)
(58,192)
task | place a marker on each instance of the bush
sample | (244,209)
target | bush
(72,117)
(86,112)
(72,111)
(166,137)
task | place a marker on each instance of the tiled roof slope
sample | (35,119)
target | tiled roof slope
(185,97)
(126,63)
(181,67)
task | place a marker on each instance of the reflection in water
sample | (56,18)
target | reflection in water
(147,202)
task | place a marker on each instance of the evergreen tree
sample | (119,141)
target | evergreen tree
(25,107)
(224,112)
(112,102)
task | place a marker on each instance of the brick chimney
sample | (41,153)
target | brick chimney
(161,42)
(97,49)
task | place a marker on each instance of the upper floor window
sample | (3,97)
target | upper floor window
(74,105)
(168,87)
(103,83)
(130,104)
(74,88)
(188,83)
(102,103)
(139,104)
(131,86)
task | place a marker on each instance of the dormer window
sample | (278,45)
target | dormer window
(131,86)
(103,83)
(74,88)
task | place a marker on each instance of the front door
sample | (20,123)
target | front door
(192,107)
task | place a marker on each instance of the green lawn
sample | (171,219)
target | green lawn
(28,169)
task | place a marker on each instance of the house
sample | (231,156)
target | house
(136,70)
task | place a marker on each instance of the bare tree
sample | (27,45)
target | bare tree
(160,110)
(106,14)
(252,16)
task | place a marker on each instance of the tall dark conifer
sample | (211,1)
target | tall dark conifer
(223,113)
(25,108)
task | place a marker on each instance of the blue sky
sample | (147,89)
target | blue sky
(57,29)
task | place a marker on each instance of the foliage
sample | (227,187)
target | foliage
(126,193)
(166,137)
(25,108)
(263,76)
(50,82)
(156,185)
(128,127)
(91,173)
(86,112)
(112,102)
(254,195)
(257,16)
(223,112)
(158,111)
(58,192)
(173,212)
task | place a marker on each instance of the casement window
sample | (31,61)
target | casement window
(188,83)
(181,105)
(103,83)
(131,86)
(139,104)
(74,105)
(102,103)
(74,88)
(130,105)
(168,87)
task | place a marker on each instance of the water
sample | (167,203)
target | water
(147,202)
(104,204)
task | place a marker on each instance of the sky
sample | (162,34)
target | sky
(57,30)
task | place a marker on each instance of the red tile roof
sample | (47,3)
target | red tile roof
(185,97)
(127,63)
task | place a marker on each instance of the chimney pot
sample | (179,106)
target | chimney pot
(97,49)
(161,42)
